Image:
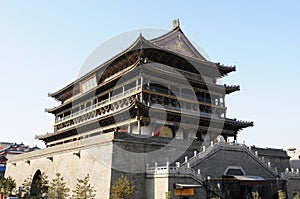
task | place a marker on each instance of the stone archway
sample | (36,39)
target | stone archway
(35,190)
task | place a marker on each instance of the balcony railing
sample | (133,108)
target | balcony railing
(174,71)
(129,92)
(99,104)
(182,95)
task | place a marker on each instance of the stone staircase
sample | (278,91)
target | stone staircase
(186,168)
(214,148)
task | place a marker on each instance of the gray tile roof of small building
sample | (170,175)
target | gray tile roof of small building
(270,152)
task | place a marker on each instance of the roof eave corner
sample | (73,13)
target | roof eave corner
(39,137)
(51,95)
(48,110)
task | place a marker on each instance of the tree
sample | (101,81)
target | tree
(122,189)
(281,194)
(255,195)
(168,195)
(39,187)
(7,185)
(36,189)
(57,188)
(84,190)
(44,183)
(26,187)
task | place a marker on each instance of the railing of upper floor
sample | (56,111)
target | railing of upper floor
(135,89)
(187,96)
(100,104)
(172,70)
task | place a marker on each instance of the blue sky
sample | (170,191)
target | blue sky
(43,45)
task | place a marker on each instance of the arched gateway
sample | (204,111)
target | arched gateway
(35,190)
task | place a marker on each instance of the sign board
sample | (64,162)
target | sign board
(184,192)
(88,84)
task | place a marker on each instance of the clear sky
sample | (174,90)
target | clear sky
(44,43)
